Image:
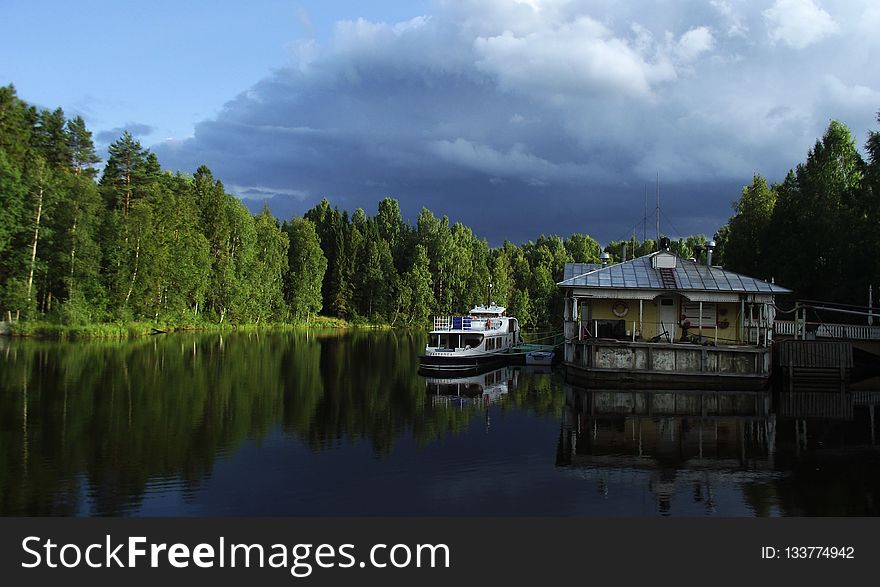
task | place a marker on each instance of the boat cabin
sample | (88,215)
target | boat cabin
(481,337)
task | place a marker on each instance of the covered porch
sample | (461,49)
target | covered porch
(712,318)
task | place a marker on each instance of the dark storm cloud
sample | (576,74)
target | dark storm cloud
(523,118)
(135,129)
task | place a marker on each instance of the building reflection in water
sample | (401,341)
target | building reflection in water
(690,443)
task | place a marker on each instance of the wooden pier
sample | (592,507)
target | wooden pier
(813,365)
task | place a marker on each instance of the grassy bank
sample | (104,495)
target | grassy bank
(56,331)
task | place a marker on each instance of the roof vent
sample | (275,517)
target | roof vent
(710,246)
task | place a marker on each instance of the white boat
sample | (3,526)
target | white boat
(461,343)
(540,357)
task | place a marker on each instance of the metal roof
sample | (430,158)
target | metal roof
(640,273)
(575,269)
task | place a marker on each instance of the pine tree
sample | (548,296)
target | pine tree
(81,147)
(127,172)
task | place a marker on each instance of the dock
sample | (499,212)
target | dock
(813,364)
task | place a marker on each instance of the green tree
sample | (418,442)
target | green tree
(240,302)
(268,269)
(502,277)
(391,228)
(582,248)
(12,196)
(76,259)
(81,148)
(211,202)
(50,139)
(810,229)
(869,240)
(307,265)
(721,236)
(745,250)
(416,298)
(127,173)
(333,229)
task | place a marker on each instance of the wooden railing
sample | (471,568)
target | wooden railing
(826,330)
(465,323)
(784,327)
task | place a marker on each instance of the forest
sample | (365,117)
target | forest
(83,243)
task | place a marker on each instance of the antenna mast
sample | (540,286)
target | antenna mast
(658,210)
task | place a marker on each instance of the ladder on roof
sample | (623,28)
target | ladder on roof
(667,278)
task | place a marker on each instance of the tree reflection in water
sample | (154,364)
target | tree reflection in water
(303,422)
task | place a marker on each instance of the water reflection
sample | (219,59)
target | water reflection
(788,453)
(482,388)
(107,418)
(343,424)
(95,428)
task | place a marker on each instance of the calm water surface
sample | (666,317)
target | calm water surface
(343,424)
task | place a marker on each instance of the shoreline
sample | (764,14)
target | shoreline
(41,330)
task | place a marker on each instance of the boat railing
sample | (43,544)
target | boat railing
(465,323)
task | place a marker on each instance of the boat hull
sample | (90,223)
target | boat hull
(454,363)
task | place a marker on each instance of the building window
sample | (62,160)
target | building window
(691,311)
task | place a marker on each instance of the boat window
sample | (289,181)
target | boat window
(448,341)
(434,340)
(471,340)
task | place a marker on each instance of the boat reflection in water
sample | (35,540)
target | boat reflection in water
(689,449)
(481,388)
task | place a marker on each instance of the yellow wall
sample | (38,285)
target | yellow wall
(601,309)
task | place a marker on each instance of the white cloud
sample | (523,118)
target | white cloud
(573,58)
(734,20)
(851,97)
(694,43)
(798,23)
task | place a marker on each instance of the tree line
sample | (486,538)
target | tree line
(136,243)
(818,231)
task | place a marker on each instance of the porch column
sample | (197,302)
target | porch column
(701,319)
(577,318)
(641,318)
(761,323)
(567,310)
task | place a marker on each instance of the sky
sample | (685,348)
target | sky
(515,117)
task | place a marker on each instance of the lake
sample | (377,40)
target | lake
(341,423)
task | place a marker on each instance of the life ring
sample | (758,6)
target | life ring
(620,308)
